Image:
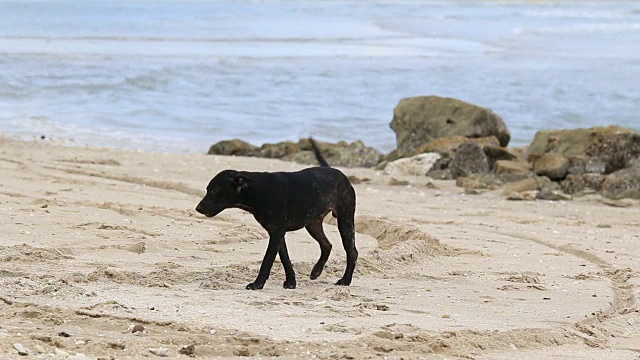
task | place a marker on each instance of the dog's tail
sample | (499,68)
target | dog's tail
(318,154)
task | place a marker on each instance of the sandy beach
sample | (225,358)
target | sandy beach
(94,241)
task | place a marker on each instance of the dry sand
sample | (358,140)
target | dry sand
(93,241)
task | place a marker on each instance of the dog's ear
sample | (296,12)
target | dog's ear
(241,183)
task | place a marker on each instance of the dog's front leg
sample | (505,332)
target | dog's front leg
(275,241)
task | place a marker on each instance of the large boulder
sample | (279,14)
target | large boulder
(419,120)
(610,148)
(449,144)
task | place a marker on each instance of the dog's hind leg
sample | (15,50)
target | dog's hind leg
(290,280)
(316,231)
(275,241)
(347,233)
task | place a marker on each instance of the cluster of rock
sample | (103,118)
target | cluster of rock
(604,160)
(446,138)
(451,139)
(355,154)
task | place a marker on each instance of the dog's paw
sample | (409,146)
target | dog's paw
(315,273)
(343,282)
(289,285)
(254,286)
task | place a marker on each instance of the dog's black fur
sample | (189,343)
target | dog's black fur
(288,201)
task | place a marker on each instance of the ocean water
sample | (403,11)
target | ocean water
(180,75)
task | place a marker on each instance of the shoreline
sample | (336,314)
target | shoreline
(98,239)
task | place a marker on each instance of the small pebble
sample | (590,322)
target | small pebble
(137,328)
(21,349)
(61,353)
(39,349)
(162,352)
(188,350)
(446,316)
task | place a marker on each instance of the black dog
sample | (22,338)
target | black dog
(288,201)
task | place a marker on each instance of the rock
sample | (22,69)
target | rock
(430,185)
(623,184)
(581,183)
(440,170)
(342,153)
(443,145)
(396,182)
(468,159)
(520,152)
(584,164)
(418,165)
(485,181)
(553,166)
(449,144)
(419,120)
(278,150)
(524,195)
(446,146)
(61,353)
(615,146)
(623,203)
(39,349)
(496,153)
(23,351)
(382,165)
(618,152)
(189,350)
(508,171)
(529,184)
(440,174)
(553,195)
(469,191)
(232,147)
(137,328)
(393,155)
(162,352)
(355,154)
(634,163)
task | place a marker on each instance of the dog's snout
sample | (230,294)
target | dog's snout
(199,208)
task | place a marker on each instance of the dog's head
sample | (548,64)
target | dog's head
(224,191)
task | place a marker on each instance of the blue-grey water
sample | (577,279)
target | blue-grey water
(179,75)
